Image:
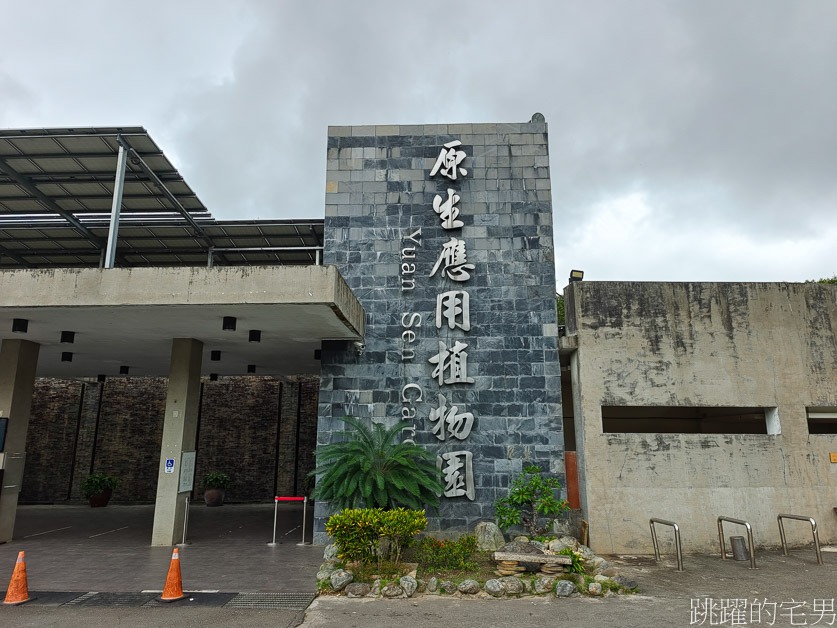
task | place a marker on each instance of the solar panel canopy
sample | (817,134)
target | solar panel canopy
(57,192)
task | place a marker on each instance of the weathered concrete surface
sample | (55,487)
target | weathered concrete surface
(177,286)
(700,344)
(128,316)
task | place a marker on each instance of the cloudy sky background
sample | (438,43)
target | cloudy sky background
(688,140)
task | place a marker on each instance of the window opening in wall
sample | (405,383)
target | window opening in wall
(689,420)
(822,420)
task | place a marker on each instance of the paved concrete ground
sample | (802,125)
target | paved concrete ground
(77,548)
(229,553)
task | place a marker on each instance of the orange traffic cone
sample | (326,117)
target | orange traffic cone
(173,590)
(18,592)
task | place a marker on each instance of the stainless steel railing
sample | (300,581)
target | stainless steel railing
(746,524)
(677,544)
(813,531)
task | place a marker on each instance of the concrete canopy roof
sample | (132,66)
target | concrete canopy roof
(128,316)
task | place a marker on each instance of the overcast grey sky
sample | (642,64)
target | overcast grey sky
(689,140)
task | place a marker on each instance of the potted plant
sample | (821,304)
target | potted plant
(98,489)
(214,485)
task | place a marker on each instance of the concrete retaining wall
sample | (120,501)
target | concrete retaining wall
(769,345)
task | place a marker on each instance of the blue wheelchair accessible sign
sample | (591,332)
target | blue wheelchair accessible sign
(169,465)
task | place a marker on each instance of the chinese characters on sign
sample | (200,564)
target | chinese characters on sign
(453,308)
(449,420)
(448,162)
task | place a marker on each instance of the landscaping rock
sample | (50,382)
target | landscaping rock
(392,590)
(489,536)
(544,584)
(432,585)
(340,578)
(594,588)
(579,581)
(564,588)
(512,585)
(376,589)
(622,581)
(522,539)
(609,593)
(358,589)
(610,572)
(326,569)
(469,586)
(539,544)
(527,585)
(602,565)
(330,552)
(494,587)
(601,578)
(447,586)
(422,586)
(408,584)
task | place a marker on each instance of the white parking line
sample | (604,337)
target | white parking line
(108,532)
(47,532)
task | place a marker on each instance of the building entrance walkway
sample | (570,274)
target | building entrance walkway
(78,548)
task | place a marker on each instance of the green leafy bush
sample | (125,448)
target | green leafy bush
(216,479)
(576,566)
(448,553)
(369,534)
(370,469)
(530,496)
(98,483)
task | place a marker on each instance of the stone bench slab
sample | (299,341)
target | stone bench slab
(534,558)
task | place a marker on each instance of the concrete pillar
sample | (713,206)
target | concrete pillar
(18,361)
(179,430)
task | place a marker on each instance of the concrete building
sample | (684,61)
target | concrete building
(692,401)
(142,337)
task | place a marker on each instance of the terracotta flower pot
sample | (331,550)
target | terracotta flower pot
(100,500)
(214,496)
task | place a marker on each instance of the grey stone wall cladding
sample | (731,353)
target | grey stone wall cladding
(378,191)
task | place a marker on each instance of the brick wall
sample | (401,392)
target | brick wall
(130,429)
(116,428)
(51,441)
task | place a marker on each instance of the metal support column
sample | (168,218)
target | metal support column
(118,187)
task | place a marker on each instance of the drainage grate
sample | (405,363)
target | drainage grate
(82,598)
(112,599)
(53,598)
(286,601)
(196,599)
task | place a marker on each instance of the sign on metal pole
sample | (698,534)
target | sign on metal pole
(187,471)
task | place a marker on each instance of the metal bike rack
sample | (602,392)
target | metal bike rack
(813,531)
(676,540)
(741,522)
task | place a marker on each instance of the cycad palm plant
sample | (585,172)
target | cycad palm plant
(371,470)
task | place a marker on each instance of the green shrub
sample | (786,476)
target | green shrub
(98,483)
(371,470)
(370,534)
(530,496)
(576,566)
(216,479)
(448,553)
